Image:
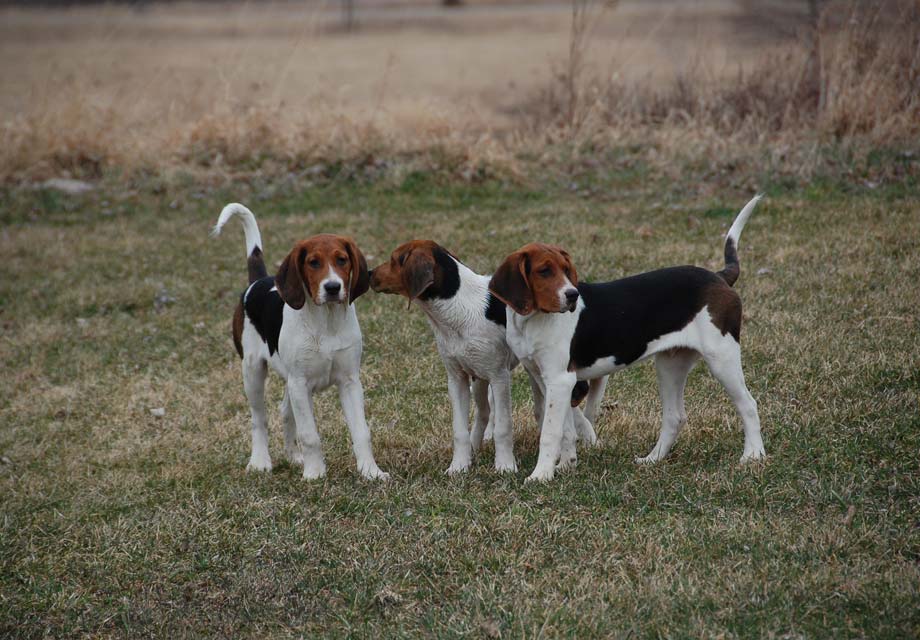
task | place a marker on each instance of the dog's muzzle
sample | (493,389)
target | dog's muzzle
(571,299)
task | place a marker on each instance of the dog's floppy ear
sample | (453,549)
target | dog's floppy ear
(511,283)
(417,273)
(360,279)
(569,267)
(289,279)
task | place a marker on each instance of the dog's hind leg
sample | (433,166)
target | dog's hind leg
(501,414)
(481,419)
(584,430)
(254,374)
(725,365)
(568,455)
(536,389)
(291,450)
(595,396)
(672,367)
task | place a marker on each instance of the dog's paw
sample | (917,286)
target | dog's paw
(314,471)
(458,466)
(755,454)
(653,457)
(259,463)
(589,440)
(371,471)
(566,462)
(294,456)
(488,434)
(505,465)
(540,475)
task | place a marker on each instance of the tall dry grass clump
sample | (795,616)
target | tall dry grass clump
(86,142)
(849,85)
(853,83)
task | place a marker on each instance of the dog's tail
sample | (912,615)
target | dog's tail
(732,267)
(254,260)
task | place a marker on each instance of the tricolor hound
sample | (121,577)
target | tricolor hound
(469,328)
(563,331)
(303,324)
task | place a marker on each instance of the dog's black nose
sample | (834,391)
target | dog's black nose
(571,295)
(333,288)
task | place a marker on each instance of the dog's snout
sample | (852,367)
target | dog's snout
(571,295)
(333,288)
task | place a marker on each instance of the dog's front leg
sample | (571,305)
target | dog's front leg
(351,395)
(556,413)
(301,395)
(458,388)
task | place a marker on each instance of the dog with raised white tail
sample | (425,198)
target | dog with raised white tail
(563,331)
(302,323)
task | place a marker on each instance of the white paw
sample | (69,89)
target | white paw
(505,466)
(651,458)
(294,456)
(487,436)
(565,462)
(753,454)
(259,462)
(458,466)
(585,431)
(370,471)
(314,471)
(540,475)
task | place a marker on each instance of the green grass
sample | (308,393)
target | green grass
(116,523)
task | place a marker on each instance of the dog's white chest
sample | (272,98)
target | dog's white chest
(321,345)
(542,340)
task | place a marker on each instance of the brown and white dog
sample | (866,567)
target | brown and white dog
(469,329)
(564,331)
(302,323)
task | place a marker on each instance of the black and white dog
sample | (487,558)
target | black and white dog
(469,329)
(302,323)
(564,331)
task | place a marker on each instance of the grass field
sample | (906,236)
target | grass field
(114,522)
(483,128)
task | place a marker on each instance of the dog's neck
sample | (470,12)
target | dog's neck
(538,320)
(326,319)
(464,309)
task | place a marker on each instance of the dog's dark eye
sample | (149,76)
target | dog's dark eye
(341,261)
(402,259)
(314,263)
(546,272)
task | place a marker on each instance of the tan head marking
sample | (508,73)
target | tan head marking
(535,277)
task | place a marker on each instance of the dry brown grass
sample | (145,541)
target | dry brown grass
(240,88)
